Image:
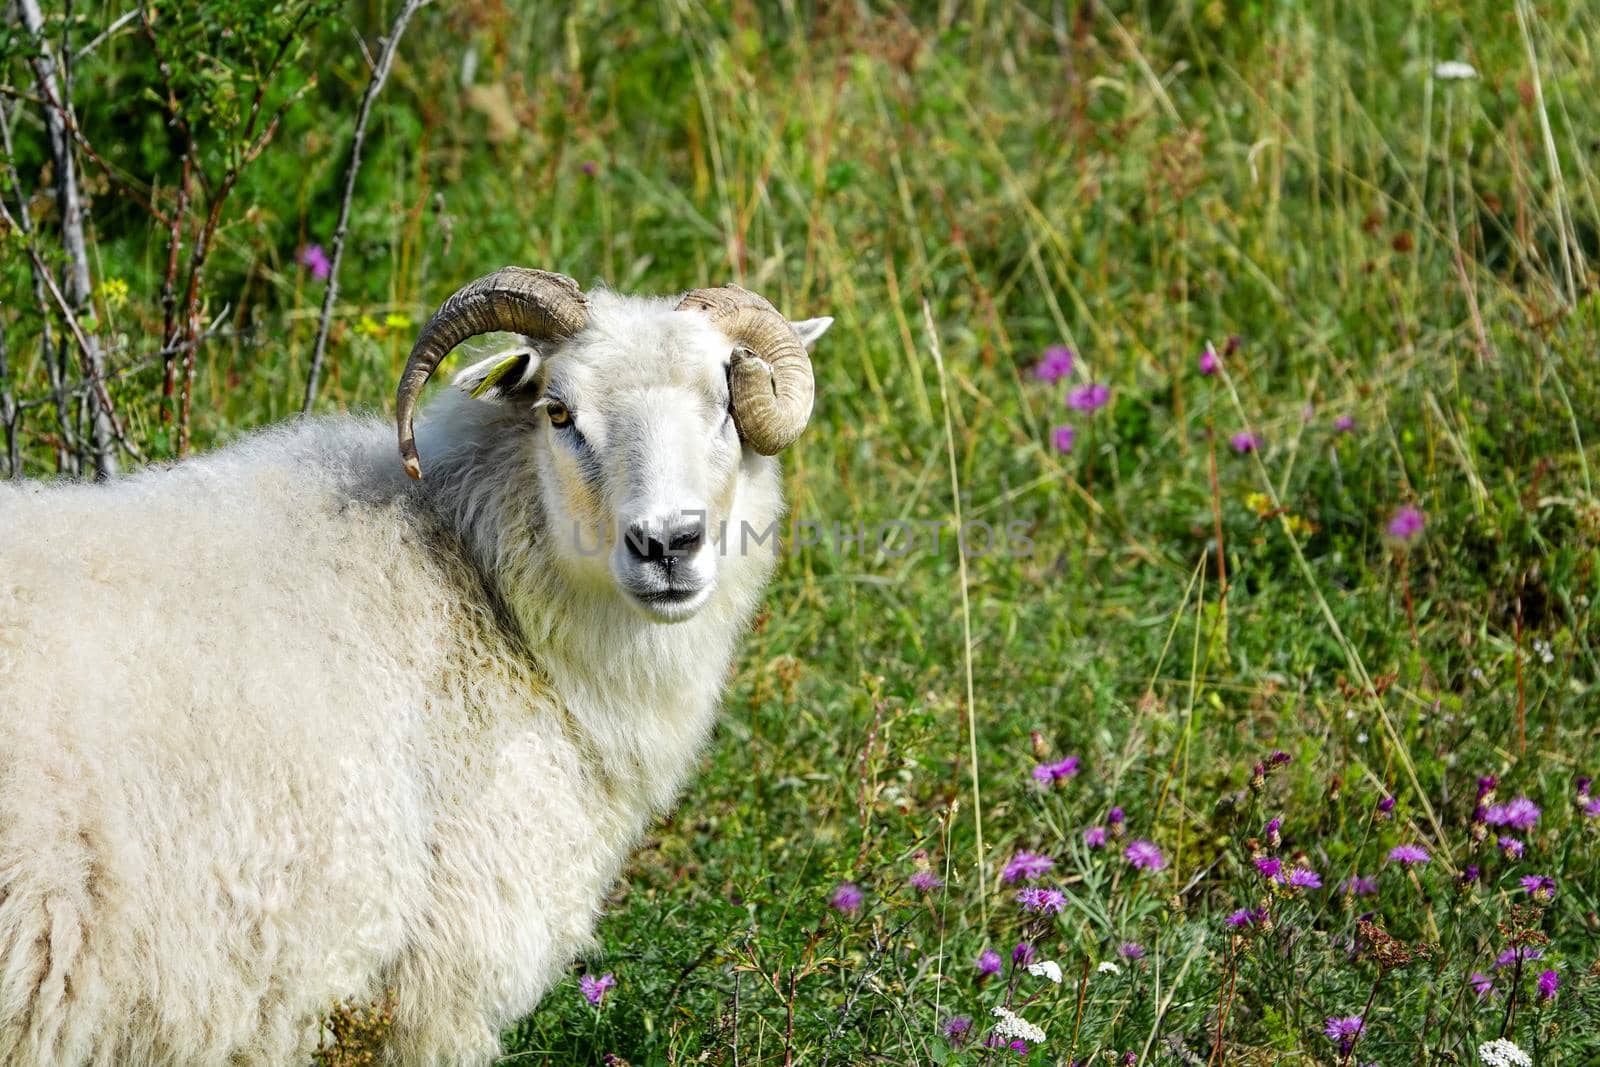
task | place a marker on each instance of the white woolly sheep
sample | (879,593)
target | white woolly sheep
(281,727)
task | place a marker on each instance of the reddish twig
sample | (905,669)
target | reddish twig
(253,145)
(1225,1003)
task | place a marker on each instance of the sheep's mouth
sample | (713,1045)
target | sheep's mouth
(673,603)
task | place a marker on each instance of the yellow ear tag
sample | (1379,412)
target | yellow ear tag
(503,368)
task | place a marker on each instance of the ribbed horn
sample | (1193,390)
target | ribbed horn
(535,303)
(770,380)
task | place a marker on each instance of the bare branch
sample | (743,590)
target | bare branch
(70,204)
(92,373)
(252,147)
(66,446)
(105,34)
(380,74)
(9,412)
(174,222)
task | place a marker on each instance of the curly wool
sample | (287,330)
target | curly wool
(280,728)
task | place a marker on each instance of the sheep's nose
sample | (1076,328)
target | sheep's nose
(667,539)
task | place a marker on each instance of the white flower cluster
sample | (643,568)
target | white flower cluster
(1453,70)
(1013,1027)
(1107,967)
(1503,1053)
(1046,969)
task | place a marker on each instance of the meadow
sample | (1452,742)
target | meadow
(1250,344)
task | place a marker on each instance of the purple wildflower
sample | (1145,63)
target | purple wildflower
(989,963)
(1274,832)
(1540,887)
(1468,876)
(1087,398)
(1591,808)
(1520,814)
(1114,816)
(1344,1031)
(594,989)
(1303,878)
(1406,523)
(1358,886)
(1144,855)
(1246,917)
(1512,955)
(1244,441)
(1059,771)
(957,1029)
(1486,786)
(1026,866)
(846,898)
(1269,866)
(1386,805)
(1063,437)
(1406,855)
(314,259)
(1131,950)
(1055,364)
(1095,837)
(1042,901)
(1511,847)
(1481,984)
(1278,757)
(1345,424)
(1549,982)
(1023,954)
(924,881)
(1209,362)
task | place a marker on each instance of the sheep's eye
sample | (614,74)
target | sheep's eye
(560,416)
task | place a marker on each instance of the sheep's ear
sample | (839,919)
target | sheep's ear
(811,329)
(503,376)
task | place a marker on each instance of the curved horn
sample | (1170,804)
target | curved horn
(534,303)
(770,381)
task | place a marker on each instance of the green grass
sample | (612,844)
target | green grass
(1134,180)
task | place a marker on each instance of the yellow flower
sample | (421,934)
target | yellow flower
(1259,503)
(396,321)
(368,326)
(114,292)
(1298,525)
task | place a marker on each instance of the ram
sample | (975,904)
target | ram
(282,727)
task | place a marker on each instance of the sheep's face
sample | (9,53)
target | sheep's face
(645,485)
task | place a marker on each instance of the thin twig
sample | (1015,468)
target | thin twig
(59,105)
(169,279)
(66,447)
(79,289)
(9,413)
(92,375)
(380,74)
(253,144)
(105,34)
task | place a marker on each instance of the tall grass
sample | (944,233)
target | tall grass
(1358,238)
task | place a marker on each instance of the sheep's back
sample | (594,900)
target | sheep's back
(211,809)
